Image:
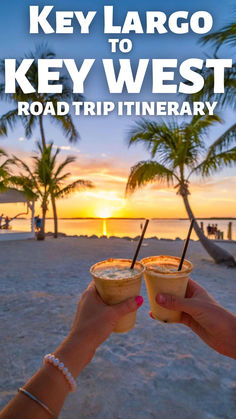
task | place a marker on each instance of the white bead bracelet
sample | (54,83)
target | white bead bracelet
(51,359)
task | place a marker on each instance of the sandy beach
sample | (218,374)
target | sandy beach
(154,371)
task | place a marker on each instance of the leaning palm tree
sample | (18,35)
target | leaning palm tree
(9,119)
(47,181)
(177,152)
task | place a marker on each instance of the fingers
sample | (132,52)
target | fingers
(171,302)
(92,286)
(191,288)
(92,292)
(128,306)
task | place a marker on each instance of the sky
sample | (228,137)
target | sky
(102,153)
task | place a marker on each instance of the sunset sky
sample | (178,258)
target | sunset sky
(102,153)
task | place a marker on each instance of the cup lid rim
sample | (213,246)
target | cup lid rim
(185,269)
(96,265)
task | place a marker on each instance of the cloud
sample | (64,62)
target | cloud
(111,196)
(63,147)
(66,148)
(222,184)
(212,196)
(100,170)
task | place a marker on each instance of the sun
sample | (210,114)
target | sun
(104,213)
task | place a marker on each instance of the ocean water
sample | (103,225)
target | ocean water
(169,229)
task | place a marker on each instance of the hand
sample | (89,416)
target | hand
(215,325)
(96,320)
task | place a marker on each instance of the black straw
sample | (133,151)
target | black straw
(139,244)
(186,245)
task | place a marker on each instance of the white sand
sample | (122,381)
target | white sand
(154,371)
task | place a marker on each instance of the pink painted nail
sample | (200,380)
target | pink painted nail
(139,300)
(161,299)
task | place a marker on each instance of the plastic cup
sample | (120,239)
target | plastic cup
(169,282)
(114,291)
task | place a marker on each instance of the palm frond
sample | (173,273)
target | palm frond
(226,35)
(25,185)
(42,51)
(151,134)
(29,123)
(78,185)
(201,123)
(3,187)
(145,172)
(61,167)
(224,141)
(8,120)
(29,172)
(217,162)
(176,144)
(67,125)
(3,153)
(62,178)
(207,93)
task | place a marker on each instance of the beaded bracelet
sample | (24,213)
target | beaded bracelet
(51,359)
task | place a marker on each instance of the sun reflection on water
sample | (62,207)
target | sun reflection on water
(104,227)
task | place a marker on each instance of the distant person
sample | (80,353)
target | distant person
(37,222)
(213,230)
(208,230)
(1,218)
(7,222)
(44,394)
(216,231)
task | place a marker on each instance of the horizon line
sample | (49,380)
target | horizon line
(137,218)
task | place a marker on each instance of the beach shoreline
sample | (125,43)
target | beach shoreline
(128,238)
(165,229)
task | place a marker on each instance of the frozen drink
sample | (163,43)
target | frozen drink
(116,282)
(162,277)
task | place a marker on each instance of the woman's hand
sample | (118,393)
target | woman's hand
(95,320)
(93,324)
(215,325)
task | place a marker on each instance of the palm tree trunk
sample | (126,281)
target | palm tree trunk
(217,253)
(41,233)
(54,208)
(42,131)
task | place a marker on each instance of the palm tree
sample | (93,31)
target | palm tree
(46,180)
(58,187)
(177,152)
(9,119)
(35,181)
